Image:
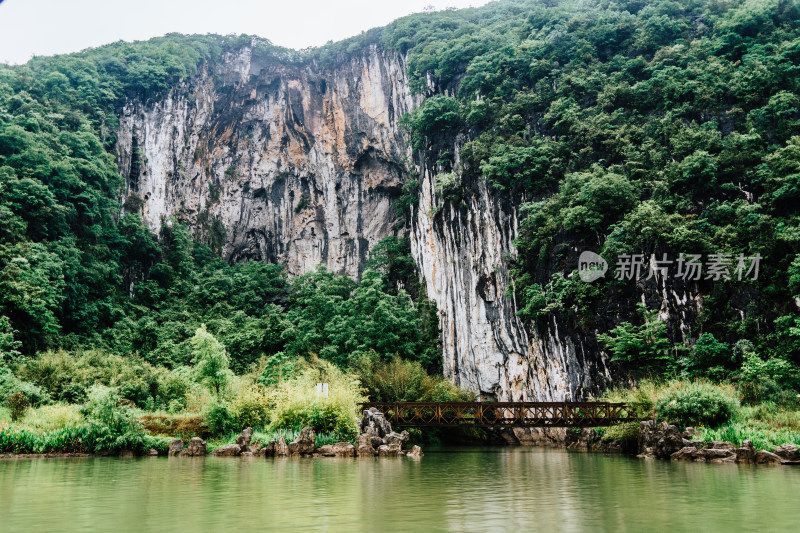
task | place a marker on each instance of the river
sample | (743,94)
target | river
(481,490)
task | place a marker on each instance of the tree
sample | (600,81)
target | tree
(710,358)
(641,349)
(9,348)
(210,360)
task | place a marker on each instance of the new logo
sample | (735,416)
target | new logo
(591,266)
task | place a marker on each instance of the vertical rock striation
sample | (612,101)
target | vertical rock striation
(463,253)
(299,164)
(274,161)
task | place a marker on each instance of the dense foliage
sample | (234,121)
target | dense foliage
(90,297)
(624,126)
(620,126)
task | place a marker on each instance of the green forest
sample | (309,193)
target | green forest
(619,126)
(631,127)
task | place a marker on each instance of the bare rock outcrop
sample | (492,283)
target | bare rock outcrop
(304,443)
(281,448)
(195,448)
(378,438)
(764,457)
(787,452)
(746,453)
(415,451)
(374,419)
(229,450)
(659,440)
(243,440)
(340,449)
(175,447)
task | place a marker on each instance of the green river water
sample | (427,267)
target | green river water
(496,489)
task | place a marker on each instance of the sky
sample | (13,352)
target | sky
(47,27)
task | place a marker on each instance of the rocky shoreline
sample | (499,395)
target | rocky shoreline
(376,439)
(665,441)
(660,440)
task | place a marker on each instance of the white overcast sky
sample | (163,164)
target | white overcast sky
(47,27)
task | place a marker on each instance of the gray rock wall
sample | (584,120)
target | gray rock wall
(300,165)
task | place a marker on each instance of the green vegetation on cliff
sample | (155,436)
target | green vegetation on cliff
(624,126)
(620,126)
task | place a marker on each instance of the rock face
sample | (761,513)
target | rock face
(196,448)
(175,447)
(464,254)
(377,437)
(788,452)
(304,443)
(299,164)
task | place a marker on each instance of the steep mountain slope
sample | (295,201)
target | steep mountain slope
(501,141)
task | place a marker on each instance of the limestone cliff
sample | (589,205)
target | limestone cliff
(299,165)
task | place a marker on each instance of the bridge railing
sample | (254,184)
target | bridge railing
(498,414)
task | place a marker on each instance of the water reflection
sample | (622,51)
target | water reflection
(508,489)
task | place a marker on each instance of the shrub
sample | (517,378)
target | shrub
(211,360)
(68,376)
(766,390)
(710,358)
(54,417)
(184,427)
(697,403)
(298,403)
(112,426)
(11,384)
(9,348)
(249,408)
(400,380)
(17,404)
(640,398)
(640,349)
(278,367)
(73,393)
(218,418)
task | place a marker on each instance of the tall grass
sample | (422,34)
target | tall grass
(265,436)
(53,417)
(765,425)
(297,402)
(711,408)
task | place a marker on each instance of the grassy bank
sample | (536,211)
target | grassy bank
(722,412)
(91,402)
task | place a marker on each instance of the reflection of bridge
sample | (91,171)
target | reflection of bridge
(504,414)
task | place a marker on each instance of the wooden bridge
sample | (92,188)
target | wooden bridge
(504,414)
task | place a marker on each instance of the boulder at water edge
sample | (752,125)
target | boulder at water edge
(175,447)
(229,450)
(304,443)
(196,448)
(788,452)
(372,418)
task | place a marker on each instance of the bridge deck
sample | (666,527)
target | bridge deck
(504,414)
